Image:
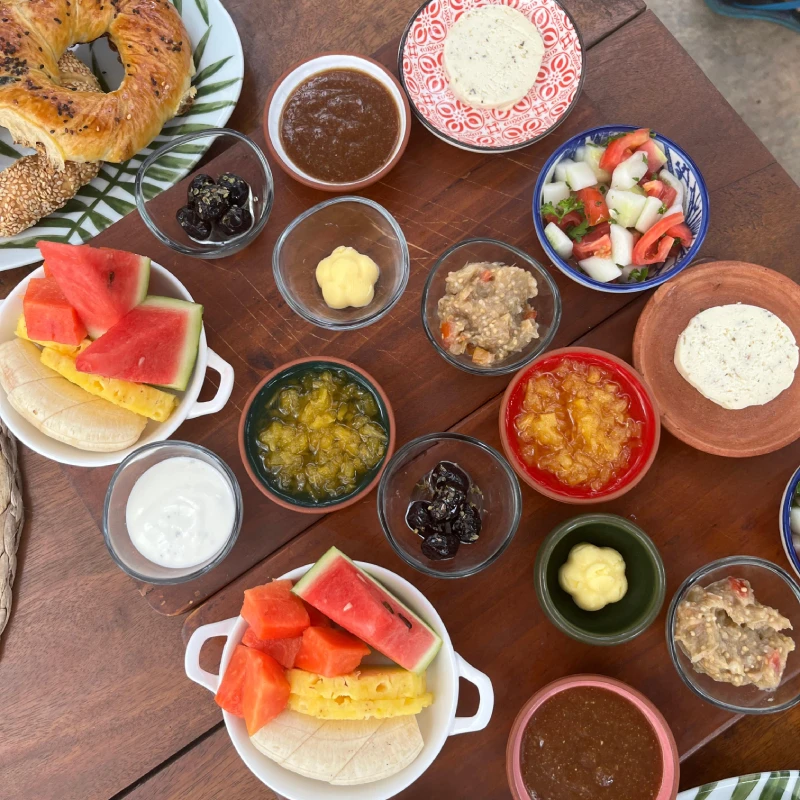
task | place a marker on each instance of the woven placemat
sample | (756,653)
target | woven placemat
(12,515)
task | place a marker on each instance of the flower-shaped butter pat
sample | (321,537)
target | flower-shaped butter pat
(594,576)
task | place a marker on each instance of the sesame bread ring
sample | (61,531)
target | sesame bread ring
(83,126)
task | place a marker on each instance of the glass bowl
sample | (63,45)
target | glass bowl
(618,622)
(115,530)
(158,213)
(547,303)
(772,586)
(351,221)
(502,501)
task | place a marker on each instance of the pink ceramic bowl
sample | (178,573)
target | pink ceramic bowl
(669,752)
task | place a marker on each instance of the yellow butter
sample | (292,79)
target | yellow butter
(594,576)
(347,278)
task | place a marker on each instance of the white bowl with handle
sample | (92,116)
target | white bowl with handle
(162,283)
(436,722)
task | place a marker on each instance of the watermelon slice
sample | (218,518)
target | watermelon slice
(48,315)
(156,343)
(357,602)
(101,284)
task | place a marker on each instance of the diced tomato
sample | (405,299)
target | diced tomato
(653,188)
(330,652)
(529,313)
(567,221)
(682,232)
(774,660)
(739,586)
(229,694)
(265,692)
(669,196)
(596,243)
(284,651)
(622,148)
(655,157)
(448,333)
(649,250)
(273,612)
(675,250)
(316,617)
(594,205)
(485,276)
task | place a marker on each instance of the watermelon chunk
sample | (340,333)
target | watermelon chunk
(266,690)
(316,618)
(48,315)
(156,342)
(101,284)
(284,651)
(357,602)
(329,652)
(273,612)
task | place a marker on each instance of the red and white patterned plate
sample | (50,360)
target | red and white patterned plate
(488,129)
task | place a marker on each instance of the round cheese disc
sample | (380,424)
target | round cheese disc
(737,355)
(492,56)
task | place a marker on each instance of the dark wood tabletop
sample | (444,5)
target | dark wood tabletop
(94,702)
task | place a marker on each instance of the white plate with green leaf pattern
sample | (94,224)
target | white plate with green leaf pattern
(783,785)
(110,196)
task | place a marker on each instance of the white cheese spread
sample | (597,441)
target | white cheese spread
(737,355)
(492,56)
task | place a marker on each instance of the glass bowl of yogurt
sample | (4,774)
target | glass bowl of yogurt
(173,511)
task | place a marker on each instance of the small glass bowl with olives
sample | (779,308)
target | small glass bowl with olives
(449,504)
(215,211)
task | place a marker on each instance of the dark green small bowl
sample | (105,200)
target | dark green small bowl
(253,415)
(617,622)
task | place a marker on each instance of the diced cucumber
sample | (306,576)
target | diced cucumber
(561,168)
(661,148)
(601,269)
(665,176)
(592,155)
(555,192)
(794,520)
(580,153)
(636,189)
(580,176)
(559,240)
(625,207)
(651,213)
(621,246)
(629,172)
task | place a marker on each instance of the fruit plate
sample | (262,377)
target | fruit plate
(490,130)
(758,786)
(436,722)
(110,196)
(685,413)
(162,283)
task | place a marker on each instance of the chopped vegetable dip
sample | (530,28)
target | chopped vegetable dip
(321,432)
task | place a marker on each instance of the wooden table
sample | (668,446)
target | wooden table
(93,699)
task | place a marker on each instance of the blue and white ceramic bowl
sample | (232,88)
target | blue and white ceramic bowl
(695,208)
(786,519)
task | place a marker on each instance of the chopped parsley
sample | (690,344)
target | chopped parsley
(562,208)
(611,138)
(638,275)
(577,232)
(663,209)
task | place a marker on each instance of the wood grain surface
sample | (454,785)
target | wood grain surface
(92,690)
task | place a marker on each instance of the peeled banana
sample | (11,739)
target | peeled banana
(60,409)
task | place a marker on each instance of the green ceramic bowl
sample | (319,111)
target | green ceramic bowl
(617,622)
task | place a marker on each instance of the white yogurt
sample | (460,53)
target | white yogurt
(180,512)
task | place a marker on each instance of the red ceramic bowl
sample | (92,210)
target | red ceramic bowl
(669,752)
(643,409)
(247,436)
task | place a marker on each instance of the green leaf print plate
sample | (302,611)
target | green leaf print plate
(783,785)
(219,65)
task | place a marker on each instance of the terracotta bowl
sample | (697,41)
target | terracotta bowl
(643,408)
(669,751)
(300,72)
(247,435)
(684,411)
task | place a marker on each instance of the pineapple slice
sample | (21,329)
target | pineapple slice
(344,708)
(137,397)
(64,349)
(366,683)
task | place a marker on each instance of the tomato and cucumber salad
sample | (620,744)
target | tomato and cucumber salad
(615,208)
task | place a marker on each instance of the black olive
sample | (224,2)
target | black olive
(235,221)
(192,224)
(418,519)
(238,187)
(212,202)
(198,182)
(467,525)
(440,546)
(445,473)
(446,504)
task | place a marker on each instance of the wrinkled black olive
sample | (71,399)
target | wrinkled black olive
(446,504)
(418,519)
(198,183)
(212,202)
(192,224)
(440,546)
(467,525)
(238,187)
(235,221)
(445,473)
